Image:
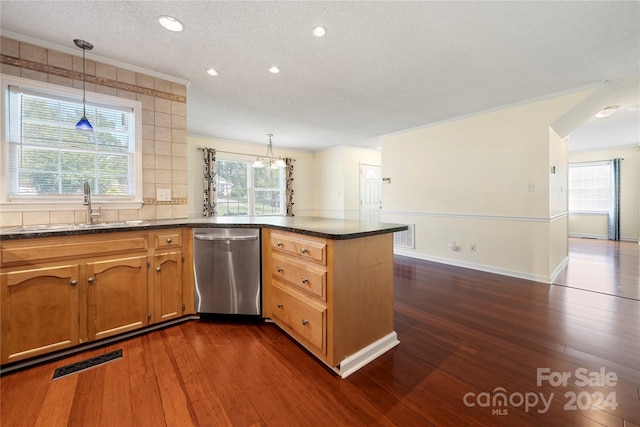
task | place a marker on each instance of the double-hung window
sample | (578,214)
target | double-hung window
(589,187)
(243,190)
(46,160)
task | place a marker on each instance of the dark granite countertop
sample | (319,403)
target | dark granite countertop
(328,228)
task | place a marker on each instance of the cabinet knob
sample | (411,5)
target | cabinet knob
(158,268)
(91,280)
(304,322)
(168,239)
(279,269)
(305,280)
(279,244)
(279,305)
(73,283)
(304,250)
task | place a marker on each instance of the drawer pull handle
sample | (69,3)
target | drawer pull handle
(279,269)
(158,268)
(168,239)
(91,280)
(279,305)
(73,283)
(304,251)
(279,244)
(304,322)
(305,280)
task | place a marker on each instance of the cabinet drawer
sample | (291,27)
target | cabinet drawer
(303,247)
(300,317)
(307,277)
(46,249)
(168,239)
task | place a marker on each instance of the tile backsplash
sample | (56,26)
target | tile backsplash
(164,127)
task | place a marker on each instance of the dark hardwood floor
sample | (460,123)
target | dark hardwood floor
(469,340)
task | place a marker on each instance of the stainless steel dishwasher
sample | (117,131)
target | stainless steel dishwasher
(227,271)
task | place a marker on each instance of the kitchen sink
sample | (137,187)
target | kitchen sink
(63,227)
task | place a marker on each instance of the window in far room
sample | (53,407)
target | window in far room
(589,187)
(243,190)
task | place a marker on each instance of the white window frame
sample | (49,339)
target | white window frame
(251,191)
(67,202)
(576,165)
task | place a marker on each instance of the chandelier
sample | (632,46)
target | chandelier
(269,161)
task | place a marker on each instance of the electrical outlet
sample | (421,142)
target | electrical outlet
(453,246)
(163,194)
(531,187)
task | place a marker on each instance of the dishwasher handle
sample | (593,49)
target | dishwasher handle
(225,238)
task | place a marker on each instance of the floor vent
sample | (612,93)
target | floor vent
(86,364)
(404,239)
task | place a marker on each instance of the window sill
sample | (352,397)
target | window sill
(588,213)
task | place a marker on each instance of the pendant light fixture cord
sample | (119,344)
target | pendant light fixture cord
(84,123)
(84,85)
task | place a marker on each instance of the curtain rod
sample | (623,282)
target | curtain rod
(597,161)
(233,152)
(229,152)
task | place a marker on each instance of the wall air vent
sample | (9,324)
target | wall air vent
(404,239)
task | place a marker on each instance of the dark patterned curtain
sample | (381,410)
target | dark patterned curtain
(614,201)
(288,191)
(209,181)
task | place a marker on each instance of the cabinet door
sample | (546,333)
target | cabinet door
(167,283)
(40,309)
(117,296)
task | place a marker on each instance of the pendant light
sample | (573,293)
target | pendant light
(84,124)
(269,160)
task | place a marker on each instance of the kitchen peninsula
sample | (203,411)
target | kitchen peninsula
(328,283)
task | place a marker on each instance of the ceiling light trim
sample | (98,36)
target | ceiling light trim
(607,112)
(320,31)
(170,23)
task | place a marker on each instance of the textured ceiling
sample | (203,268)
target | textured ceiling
(383,67)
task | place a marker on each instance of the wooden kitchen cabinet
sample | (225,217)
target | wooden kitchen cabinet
(40,309)
(172,274)
(116,296)
(335,297)
(58,292)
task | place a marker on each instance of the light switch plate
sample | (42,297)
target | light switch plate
(163,194)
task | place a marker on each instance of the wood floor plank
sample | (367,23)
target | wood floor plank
(175,405)
(58,401)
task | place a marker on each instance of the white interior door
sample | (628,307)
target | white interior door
(370,192)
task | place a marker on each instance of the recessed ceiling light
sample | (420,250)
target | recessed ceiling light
(319,31)
(171,23)
(274,70)
(212,72)
(607,111)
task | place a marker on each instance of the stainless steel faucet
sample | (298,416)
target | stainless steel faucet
(92,215)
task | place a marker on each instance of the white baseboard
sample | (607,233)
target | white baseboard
(356,361)
(559,269)
(479,267)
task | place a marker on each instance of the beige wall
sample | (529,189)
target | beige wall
(164,124)
(595,225)
(466,181)
(337,172)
